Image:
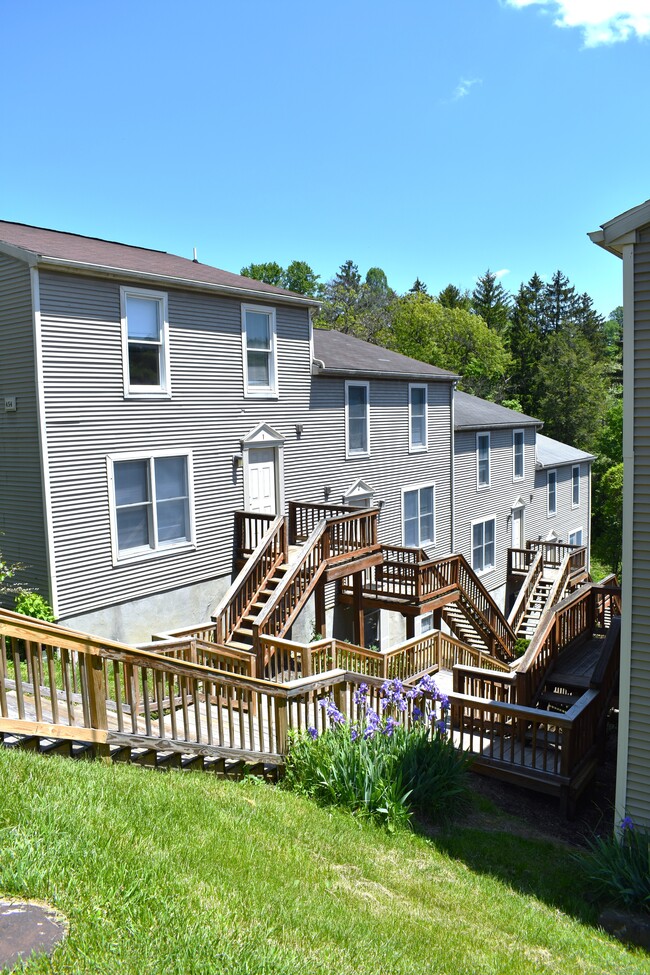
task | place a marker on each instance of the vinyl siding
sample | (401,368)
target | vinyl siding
(638,767)
(390,466)
(567,518)
(21,495)
(477,504)
(88,418)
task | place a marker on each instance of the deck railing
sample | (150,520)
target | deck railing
(304,517)
(535,572)
(206,653)
(250,529)
(288,660)
(271,551)
(575,618)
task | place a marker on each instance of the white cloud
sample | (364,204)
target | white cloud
(601,21)
(464,87)
(502,273)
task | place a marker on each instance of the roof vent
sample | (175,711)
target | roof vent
(195,258)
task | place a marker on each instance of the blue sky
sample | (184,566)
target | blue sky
(432,139)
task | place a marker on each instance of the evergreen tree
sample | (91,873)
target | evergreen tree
(453,297)
(418,287)
(526,343)
(560,303)
(491,301)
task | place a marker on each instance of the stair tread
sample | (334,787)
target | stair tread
(551,697)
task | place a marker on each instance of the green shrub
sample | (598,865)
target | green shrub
(377,768)
(521,645)
(619,866)
(31,604)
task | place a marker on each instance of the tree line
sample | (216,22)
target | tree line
(544,351)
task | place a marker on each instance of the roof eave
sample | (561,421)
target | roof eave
(621,230)
(317,370)
(104,270)
(463,427)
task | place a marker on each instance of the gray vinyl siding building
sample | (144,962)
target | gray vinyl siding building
(572,512)
(509,494)
(21,479)
(628,236)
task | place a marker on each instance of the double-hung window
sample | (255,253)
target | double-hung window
(152,504)
(483,550)
(259,351)
(417,417)
(575,537)
(357,419)
(517,455)
(145,342)
(551,490)
(482,460)
(575,486)
(419,519)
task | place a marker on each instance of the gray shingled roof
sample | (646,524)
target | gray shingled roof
(552,453)
(473,413)
(74,250)
(344,355)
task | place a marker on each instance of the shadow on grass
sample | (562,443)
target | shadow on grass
(536,868)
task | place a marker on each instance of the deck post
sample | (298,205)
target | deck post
(357,595)
(410,627)
(320,622)
(281,725)
(97,699)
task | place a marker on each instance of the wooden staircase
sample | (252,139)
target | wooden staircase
(535,607)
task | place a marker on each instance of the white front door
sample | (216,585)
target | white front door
(261,480)
(518,528)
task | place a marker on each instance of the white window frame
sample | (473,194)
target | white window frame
(483,521)
(157,550)
(163,390)
(423,626)
(413,447)
(515,476)
(551,513)
(479,486)
(574,533)
(420,487)
(252,391)
(574,503)
(356,453)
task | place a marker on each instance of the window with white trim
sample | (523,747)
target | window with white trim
(483,545)
(575,486)
(417,417)
(259,350)
(357,419)
(551,493)
(518,455)
(418,516)
(426,623)
(145,342)
(483,460)
(151,502)
(575,538)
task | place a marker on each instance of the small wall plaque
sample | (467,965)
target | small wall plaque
(10,404)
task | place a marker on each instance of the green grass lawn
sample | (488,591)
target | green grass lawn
(185,873)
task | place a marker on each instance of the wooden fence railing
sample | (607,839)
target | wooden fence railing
(250,529)
(287,660)
(270,552)
(206,653)
(577,617)
(535,572)
(304,517)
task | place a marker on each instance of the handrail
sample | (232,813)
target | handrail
(314,544)
(248,525)
(270,552)
(535,573)
(312,514)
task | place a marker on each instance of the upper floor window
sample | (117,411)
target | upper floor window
(551,484)
(145,342)
(483,547)
(357,419)
(151,503)
(417,417)
(517,455)
(419,522)
(483,460)
(575,486)
(258,342)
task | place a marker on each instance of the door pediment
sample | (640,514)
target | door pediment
(262,435)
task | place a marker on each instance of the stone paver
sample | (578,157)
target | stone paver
(27,927)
